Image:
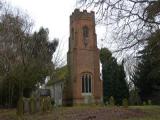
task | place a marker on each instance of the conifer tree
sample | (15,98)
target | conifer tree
(146,76)
(114,82)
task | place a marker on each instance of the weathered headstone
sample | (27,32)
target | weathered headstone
(38,105)
(20,107)
(26,105)
(32,105)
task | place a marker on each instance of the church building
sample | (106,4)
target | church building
(83,85)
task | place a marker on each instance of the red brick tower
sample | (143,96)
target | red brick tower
(84,84)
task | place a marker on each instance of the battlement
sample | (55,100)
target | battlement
(77,14)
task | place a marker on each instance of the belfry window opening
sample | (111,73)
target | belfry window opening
(85,32)
(85,35)
(72,33)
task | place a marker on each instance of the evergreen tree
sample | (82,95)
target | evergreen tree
(114,83)
(146,77)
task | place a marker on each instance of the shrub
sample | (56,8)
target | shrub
(52,102)
(111,101)
(125,103)
(48,102)
(106,103)
(134,98)
(149,102)
(144,103)
(105,99)
(45,104)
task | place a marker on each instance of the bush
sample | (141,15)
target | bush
(20,107)
(149,102)
(111,101)
(105,99)
(45,104)
(125,103)
(106,103)
(48,103)
(144,103)
(52,102)
(134,98)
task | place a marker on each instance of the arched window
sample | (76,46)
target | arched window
(86,83)
(85,35)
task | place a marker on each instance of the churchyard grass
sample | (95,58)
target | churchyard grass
(89,113)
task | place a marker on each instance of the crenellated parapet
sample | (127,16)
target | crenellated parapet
(77,15)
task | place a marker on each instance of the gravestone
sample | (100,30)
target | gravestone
(26,105)
(38,105)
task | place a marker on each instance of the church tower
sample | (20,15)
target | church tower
(84,85)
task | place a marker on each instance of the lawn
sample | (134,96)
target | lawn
(90,113)
(151,112)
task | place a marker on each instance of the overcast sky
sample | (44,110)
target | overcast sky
(54,15)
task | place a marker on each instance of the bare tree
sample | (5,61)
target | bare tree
(59,57)
(14,26)
(133,20)
(131,23)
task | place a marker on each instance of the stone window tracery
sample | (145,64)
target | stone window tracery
(86,83)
